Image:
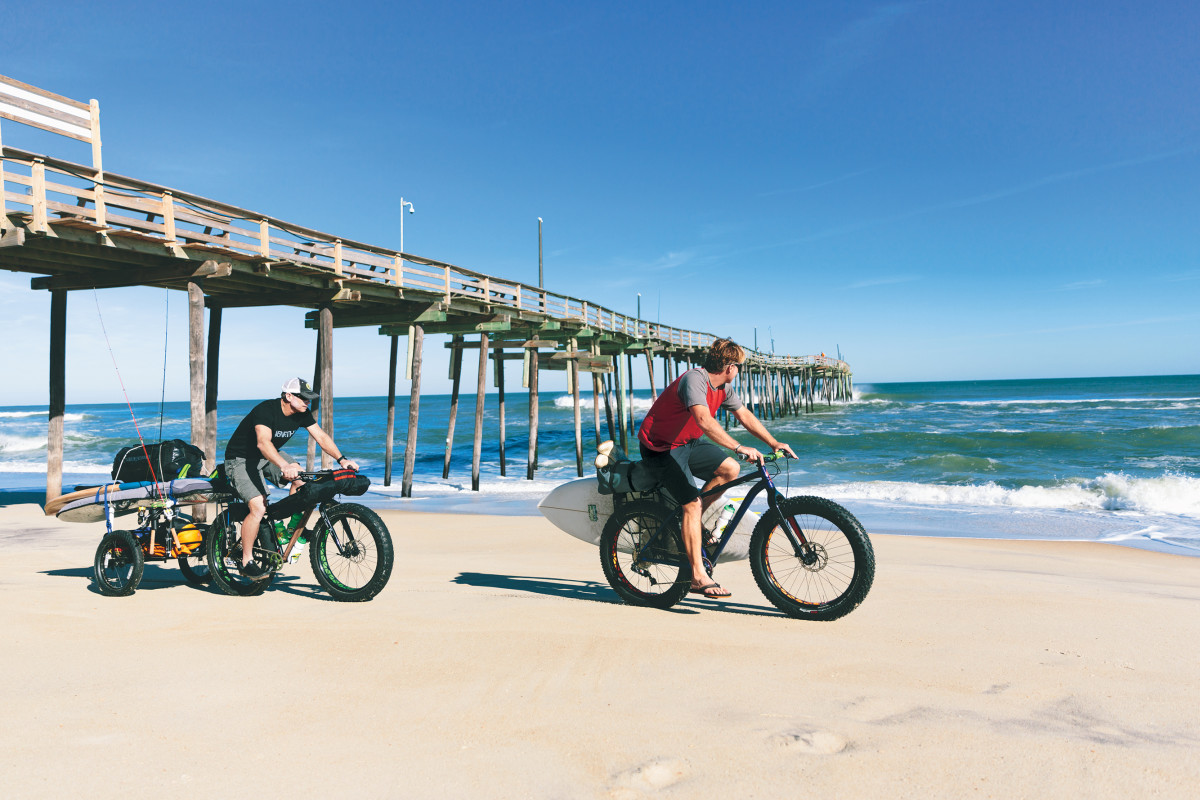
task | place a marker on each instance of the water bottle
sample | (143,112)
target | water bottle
(726,514)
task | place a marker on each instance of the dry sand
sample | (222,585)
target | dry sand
(498,663)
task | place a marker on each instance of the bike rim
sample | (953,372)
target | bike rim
(117,569)
(353,566)
(644,572)
(229,565)
(820,576)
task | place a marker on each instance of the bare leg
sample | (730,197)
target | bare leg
(691,542)
(258,507)
(726,472)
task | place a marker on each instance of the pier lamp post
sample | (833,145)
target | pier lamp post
(411,210)
(541,283)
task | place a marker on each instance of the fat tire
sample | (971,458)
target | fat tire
(198,575)
(675,576)
(830,588)
(221,537)
(346,579)
(119,564)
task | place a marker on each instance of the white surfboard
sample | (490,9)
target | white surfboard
(87,505)
(578,508)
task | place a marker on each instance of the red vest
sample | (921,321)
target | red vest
(669,423)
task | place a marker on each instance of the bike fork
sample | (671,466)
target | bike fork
(801,547)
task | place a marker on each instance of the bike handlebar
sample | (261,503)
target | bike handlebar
(311,476)
(778,454)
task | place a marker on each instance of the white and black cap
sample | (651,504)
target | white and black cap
(301,388)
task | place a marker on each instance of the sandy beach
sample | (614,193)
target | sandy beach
(497,663)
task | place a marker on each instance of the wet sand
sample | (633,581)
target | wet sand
(498,663)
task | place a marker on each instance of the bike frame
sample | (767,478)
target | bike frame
(266,537)
(764,483)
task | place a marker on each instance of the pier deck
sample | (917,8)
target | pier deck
(80,227)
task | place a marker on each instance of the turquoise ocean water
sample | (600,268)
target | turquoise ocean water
(1110,459)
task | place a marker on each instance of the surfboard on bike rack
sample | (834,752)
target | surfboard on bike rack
(578,508)
(87,505)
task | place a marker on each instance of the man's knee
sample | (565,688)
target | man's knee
(692,507)
(729,469)
(257,506)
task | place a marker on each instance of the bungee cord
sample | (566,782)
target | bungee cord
(128,404)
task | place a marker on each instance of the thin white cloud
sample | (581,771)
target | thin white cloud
(1092,284)
(821,184)
(980,199)
(889,281)
(856,44)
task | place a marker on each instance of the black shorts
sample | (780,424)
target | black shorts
(675,469)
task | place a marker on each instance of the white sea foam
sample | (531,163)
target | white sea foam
(585,401)
(39,465)
(1168,494)
(73,417)
(1060,401)
(20,444)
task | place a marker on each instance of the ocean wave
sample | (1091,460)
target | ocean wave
(585,401)
(80,467)
(72,417)
(1167,494)
(21,444)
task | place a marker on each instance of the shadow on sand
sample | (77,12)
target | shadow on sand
(599,593)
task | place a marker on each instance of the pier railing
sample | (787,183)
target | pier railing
(51,192)
(54,192)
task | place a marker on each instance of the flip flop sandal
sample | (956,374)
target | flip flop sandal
(703,591)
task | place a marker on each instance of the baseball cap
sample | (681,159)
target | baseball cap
(300,388)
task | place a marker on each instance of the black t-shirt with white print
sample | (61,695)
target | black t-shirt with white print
(244,442)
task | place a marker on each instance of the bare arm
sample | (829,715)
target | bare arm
(712,429)
(263,436)
(327,445)
(752,424)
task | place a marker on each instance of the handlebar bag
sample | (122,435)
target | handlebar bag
(319,489)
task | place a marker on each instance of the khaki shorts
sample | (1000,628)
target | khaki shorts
(249,482)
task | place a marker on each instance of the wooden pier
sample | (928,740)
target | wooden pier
(81,227)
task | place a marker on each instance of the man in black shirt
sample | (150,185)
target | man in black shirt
(252,456)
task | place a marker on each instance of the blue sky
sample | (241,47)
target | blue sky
(942,190)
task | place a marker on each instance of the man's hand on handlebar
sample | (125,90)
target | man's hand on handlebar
(785,449)
(291,471)
(748,453)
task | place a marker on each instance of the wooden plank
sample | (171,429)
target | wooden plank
(140,277)
(13,83)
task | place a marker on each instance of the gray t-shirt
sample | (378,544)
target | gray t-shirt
(694,388)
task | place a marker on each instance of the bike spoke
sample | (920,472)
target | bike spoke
(823,570)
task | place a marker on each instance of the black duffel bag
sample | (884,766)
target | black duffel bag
(162,461)
(622,477)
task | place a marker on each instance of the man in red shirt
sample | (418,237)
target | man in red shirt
(672,448)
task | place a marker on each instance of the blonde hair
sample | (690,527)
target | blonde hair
(722,353)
